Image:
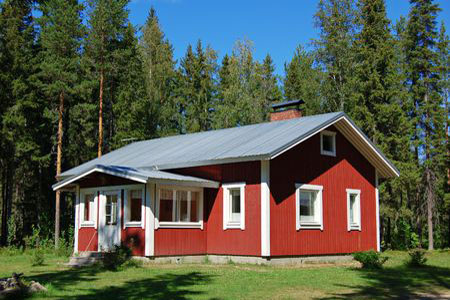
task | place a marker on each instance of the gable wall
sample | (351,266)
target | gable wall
(305,164)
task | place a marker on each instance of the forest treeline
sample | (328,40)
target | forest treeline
(78,80)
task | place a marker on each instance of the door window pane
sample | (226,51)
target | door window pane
(111,210)
(88,207)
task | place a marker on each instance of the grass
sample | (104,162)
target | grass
(235,281)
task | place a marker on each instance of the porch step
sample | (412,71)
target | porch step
(84,259)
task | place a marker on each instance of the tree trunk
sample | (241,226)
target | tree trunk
(100,117)
(4,207)
(58,167)
(430,212)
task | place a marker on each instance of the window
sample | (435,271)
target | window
(353,209)
(111,210)
(234,206)
(88,209)
(308,206)
(134,200)
(180,207)
(328,143)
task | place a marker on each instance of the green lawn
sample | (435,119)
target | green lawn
(209,281)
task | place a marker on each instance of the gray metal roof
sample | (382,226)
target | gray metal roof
(136,175)
(244,143)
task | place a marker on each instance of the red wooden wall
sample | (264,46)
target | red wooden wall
(305,164)
(213,239)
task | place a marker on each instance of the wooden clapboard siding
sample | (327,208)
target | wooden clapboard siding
(305,164)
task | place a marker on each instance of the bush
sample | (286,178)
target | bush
(37,257)
(116,258)
(370,259)
(417,257)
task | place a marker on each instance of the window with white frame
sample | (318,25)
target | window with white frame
(234,206)
(180,207)
(328,143)
(353,209)
(134,202)
(88,209)
(309,206)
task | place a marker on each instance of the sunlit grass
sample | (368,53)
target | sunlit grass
(235,281)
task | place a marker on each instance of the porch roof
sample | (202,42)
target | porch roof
(137,175)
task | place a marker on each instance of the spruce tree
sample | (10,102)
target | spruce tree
(269,89)
(303,81)
(334,52)
(61,33)
(162,111)
(427,104)
(198,87)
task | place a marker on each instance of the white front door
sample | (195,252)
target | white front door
(109,227)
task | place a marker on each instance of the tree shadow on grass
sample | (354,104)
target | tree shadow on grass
(165,286)
(399,283)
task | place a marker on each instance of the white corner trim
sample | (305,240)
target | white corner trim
(149,219)
(377,204)
(318,206)
(333,135)
(77,219)
(351,227)
(265,207)
(227,223)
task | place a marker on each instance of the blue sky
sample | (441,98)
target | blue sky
(275,27)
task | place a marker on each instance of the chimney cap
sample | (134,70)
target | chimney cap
(287,104)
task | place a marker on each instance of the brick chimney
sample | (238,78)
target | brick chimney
(286,110)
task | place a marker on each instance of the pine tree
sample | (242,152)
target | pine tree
(427,103)
(303,82)
(198,87)
(107,24)
(162,112)
(334,53)
(61,33)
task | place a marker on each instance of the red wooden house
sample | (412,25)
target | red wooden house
(296,186)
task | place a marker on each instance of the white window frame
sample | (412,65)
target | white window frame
(126,213)
(357,224)
(318,206)
(83,222)
(227,222)
(330,134)
(174,188)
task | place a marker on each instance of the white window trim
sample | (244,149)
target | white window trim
(126,191)
(357,225)
(83,193)
(333,135)
(318,208)
(227,223)
(174,188)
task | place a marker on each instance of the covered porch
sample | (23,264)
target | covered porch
(117,205)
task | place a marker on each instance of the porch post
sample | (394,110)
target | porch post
(150,219)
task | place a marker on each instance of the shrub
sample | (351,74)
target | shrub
(417,257)
(116,258)
(37,258)
(370,259)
